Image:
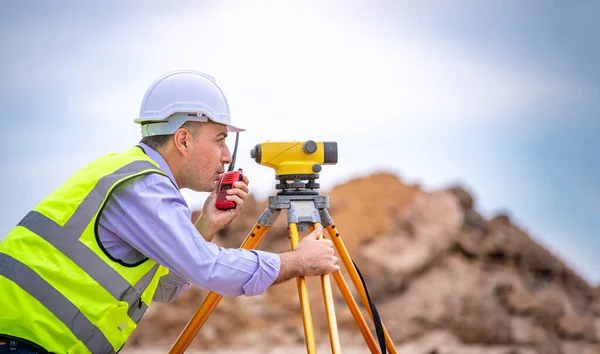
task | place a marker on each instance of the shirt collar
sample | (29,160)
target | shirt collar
(157,157)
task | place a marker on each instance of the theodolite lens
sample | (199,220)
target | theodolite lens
(330,153)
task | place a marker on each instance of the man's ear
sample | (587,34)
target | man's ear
(182,139)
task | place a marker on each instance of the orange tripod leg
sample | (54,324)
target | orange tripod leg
(355,311)
(334,337)
(210,302)
(303,295)
(345,257)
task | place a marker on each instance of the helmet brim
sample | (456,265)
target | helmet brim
(233,129)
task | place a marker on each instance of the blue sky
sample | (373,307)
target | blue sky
(501,97)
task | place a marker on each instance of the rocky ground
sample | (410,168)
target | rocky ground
(444,279)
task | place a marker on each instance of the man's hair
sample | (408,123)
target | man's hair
(159,141)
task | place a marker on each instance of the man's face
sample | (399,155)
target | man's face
(208,154)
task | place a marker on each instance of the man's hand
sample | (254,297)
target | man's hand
(311,257)
(213,219)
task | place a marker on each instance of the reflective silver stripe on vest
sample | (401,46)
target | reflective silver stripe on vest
(92,202)
(136,312)
(137,307)
(79,253)
(66,240)
(56,303)
(89,261)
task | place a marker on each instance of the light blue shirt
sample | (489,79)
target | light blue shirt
(148,217)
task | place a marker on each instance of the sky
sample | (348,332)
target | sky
(502,98)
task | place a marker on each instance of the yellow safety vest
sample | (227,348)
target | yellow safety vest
(58,287)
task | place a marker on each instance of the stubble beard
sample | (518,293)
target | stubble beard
(197,182)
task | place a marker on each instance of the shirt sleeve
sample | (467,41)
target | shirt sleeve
(155,220)
(170,287)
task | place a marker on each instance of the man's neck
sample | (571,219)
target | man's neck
(168,162)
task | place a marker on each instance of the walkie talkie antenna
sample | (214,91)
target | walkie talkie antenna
(232,164)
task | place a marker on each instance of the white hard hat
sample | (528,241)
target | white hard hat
(181,96)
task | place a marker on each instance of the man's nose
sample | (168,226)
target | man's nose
(226,156)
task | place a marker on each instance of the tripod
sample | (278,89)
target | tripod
(306,208)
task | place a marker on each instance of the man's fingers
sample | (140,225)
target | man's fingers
(240,185)
(237,191)
(245,180)
(235,198)
(319,229)
(316,234)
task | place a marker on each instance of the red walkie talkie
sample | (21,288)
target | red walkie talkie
(227,181)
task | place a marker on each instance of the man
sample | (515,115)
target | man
(79,271)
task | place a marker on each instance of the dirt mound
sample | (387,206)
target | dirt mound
(444,279)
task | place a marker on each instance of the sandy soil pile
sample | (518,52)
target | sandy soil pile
(444,280)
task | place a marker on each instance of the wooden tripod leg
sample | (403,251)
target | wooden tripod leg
(334,337)
(347,261)
(303,295)
(210,302)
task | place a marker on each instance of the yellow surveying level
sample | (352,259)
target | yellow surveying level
(293,157)
(297,165)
